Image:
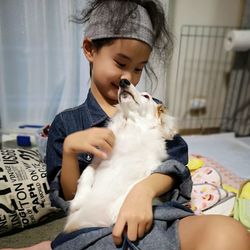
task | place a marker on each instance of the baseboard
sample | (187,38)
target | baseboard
(199,131)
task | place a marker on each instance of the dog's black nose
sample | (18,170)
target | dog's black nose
(124,83)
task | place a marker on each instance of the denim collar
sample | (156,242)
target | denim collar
(96,114)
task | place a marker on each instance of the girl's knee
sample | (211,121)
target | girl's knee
(213,232)
(231,234)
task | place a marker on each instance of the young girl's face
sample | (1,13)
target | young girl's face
(123,58)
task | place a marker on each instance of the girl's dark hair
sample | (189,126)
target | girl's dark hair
(162,43)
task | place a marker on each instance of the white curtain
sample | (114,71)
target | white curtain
(42,68)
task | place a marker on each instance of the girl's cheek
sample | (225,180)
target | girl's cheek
(136,79)
(115,72)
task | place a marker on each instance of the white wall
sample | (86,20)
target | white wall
(207,12)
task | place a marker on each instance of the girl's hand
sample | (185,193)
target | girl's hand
(96,141)
(136,215)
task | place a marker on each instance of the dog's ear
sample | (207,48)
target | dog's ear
(168,123)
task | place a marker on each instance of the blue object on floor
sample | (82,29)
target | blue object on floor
(23,140)
(30,126)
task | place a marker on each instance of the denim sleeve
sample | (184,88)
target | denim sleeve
(56,196)
(175,166)
(57,134)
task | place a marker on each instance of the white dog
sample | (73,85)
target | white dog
(140,127)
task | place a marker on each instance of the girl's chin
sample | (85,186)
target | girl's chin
(111,96)
(113,99)
(114,93)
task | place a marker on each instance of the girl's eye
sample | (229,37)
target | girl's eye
(138,70)
(120,64)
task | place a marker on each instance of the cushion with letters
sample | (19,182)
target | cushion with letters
(24,190)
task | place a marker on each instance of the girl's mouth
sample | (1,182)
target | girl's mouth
(115,86)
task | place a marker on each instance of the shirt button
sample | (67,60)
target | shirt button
(89,157)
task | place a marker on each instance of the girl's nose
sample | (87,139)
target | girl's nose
(127,75)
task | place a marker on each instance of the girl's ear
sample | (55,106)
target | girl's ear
(88,49)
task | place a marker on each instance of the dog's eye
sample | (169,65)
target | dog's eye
(146,96)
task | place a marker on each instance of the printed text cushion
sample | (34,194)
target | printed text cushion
(24,190)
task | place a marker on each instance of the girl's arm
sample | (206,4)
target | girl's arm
(158,184)
(172,177)
(96,141)
(136,212)
(69,175)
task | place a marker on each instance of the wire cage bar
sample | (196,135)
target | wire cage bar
(236,115)
(203,77)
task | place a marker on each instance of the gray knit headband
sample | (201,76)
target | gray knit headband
(137,26)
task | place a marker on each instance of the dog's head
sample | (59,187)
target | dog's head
(140,107)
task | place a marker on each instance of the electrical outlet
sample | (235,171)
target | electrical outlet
(198,104)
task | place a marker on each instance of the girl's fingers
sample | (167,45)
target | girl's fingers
(132,227)
(105,141)
(110,138)
(141,230)
(98,153)
(104,146)
(117,231)
(132,231)
(148,226)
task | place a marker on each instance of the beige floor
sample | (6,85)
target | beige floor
(33,235)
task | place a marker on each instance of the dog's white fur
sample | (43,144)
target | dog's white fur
(140,127)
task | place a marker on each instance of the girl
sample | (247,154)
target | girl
(119,39)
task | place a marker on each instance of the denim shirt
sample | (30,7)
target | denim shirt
(90,114)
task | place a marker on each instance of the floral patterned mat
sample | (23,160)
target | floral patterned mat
(228,177)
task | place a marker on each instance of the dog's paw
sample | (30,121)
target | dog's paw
(71,227)
(72,223)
